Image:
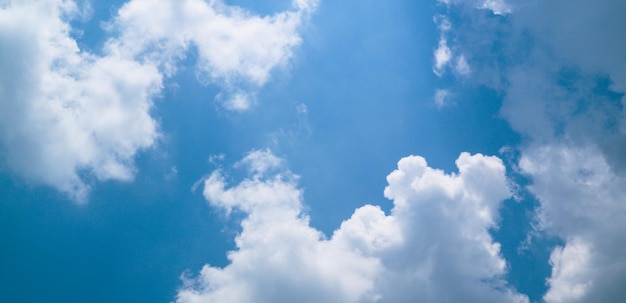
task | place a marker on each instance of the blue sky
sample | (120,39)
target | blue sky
(312,151)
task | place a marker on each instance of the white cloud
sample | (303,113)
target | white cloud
(260,162)
(434,246)
(66,114)
(548,59)
(238,100)
(68,117)
(280,258)
(442,54)
(570,272)
(582,202)
(236,48)
(443,97)
(498,7)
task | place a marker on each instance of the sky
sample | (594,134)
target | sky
(242,151)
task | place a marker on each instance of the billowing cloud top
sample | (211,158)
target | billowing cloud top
(437,235)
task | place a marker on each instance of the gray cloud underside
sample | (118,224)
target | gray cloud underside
(561,66)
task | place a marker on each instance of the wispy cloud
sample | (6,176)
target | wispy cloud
(237,49)
(443,98)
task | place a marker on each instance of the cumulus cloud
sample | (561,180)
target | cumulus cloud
(560,67)
(437,235)
(443,54)
(236,48)
(67,115)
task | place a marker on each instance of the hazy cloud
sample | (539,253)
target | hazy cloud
(560,67)
(582,203)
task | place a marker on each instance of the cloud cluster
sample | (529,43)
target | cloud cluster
(236,48)
(582,202)
(560,66)
(437,235)
(68,117)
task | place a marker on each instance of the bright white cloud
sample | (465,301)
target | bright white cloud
(570,272)
(436,236)
(280,258)
(236,49)
(444,56)
(442,53)
(67,115)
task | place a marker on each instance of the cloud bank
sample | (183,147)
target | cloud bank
(581,202)
(69,117)
(560,66)
(436,236)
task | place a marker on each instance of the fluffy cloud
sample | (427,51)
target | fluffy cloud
(560,67)
(280,258)
(67,115)
(436,236)
(236,48)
